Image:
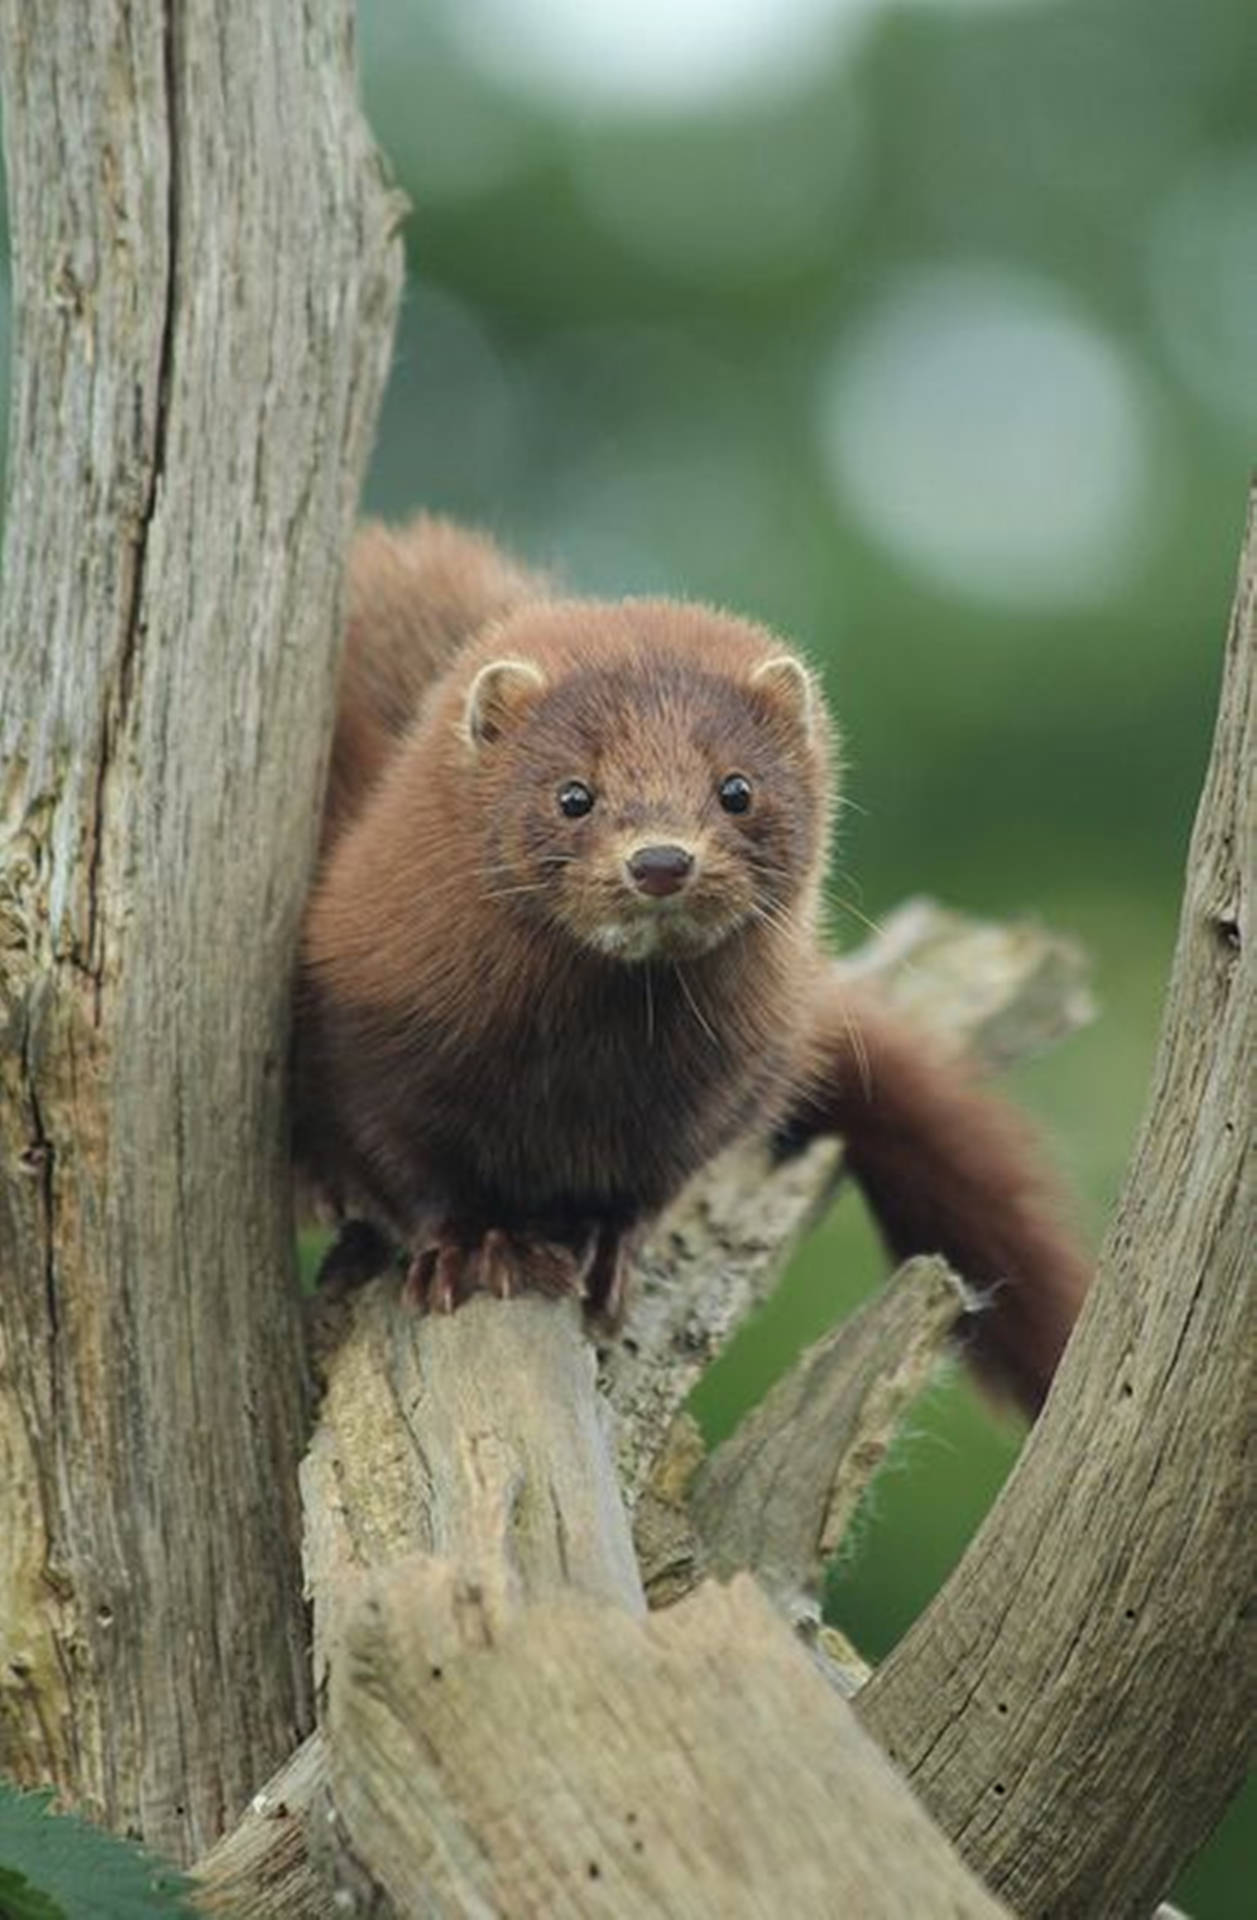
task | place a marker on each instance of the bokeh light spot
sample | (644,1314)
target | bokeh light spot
(982,429)
(654,54)
(664,55)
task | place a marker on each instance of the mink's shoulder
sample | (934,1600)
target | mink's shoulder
(415,596)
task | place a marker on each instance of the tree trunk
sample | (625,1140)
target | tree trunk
(1077,1706)
(205,278)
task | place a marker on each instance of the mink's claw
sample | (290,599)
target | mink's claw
(442,1274)
(416,1287)
(607,1279)
(436,1279)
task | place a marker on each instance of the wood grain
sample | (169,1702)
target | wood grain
(576,1762)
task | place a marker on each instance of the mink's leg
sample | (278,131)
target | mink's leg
(357,1254)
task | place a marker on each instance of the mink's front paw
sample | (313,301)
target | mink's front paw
(444,1273)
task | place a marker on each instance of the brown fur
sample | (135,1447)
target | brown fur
(507,1056)
(414,596)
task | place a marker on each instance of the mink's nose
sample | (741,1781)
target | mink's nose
(660,870)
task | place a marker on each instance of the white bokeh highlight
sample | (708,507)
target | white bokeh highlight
(990,437)
(663,55)
(629,55)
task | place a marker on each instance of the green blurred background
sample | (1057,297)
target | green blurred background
(927,333)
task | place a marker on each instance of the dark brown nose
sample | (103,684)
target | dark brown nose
(660,870)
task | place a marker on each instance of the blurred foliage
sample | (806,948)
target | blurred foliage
(56,1866)
(929,334)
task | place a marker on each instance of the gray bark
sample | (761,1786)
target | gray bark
(1078,1704)
(506,1733)
(205,273)
(779,1494)
(569,1760)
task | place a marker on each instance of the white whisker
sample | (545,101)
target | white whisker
(851,1027)
(694,1007)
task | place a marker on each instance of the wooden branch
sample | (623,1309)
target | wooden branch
(1077,1705)
(498,1706)
(999,992)
(461,1481)
(205,275)
(573,1760)
(262,1869)
(478,1435)
(777,1497)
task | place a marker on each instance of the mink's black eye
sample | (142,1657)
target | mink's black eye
(575,799)
(735,793)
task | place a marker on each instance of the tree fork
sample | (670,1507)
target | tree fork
(197,213)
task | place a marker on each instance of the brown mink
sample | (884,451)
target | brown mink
(562,947)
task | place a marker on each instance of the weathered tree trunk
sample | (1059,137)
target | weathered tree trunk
(1078,1704)
(205,277)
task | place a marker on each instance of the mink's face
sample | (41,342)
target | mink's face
(651,808)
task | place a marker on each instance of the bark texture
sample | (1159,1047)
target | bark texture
(1077,1705)
(507,1734)
(779,1494)
(691,1765)
(205,276)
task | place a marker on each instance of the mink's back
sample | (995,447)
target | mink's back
(414,596)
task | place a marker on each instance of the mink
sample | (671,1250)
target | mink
(563,946)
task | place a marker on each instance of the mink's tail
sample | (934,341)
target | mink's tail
(948,1168)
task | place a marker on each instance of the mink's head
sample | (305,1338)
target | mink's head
(651,777)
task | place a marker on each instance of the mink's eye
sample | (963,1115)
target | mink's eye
(575,799)
(735,793)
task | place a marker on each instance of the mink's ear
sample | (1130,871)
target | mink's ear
(786,683)
(499,694)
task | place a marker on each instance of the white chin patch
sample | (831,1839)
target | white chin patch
(628,939)
(673,935)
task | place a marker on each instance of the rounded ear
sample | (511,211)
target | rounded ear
(499,694)
(788,684)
